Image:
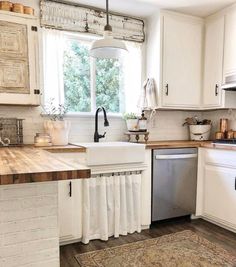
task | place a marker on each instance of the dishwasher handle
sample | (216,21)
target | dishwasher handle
(177,156)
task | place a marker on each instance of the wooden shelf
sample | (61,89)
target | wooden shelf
(14,14)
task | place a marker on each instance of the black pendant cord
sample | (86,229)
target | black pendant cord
(107,27)
(107,11)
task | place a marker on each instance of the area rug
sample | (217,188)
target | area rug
(182,249)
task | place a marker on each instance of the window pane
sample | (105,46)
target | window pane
(109,85)
(77,76)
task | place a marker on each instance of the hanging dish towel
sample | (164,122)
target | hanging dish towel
(148,97)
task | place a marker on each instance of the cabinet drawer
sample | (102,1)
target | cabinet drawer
(222,158)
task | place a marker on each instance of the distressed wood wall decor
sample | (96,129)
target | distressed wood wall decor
(14,65)
(66,16)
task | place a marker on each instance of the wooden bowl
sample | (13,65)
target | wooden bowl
(18,8)
(28,10)
(5,5)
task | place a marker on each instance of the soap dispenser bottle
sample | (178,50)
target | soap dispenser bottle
(142,123)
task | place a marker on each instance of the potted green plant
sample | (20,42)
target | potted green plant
(131,121)
(56,126)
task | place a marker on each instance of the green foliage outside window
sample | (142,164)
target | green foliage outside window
(77,80)
(77,77)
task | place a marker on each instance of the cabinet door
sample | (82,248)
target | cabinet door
(19,63)
(230,43)
(213,69)
(220,194)
(70,210)
(182,61)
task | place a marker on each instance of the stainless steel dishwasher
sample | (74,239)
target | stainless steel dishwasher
(174,183)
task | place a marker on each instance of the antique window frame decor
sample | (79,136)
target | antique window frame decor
(61,20)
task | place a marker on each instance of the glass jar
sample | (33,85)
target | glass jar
(42,139)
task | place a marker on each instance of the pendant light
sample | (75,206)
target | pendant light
(108,47)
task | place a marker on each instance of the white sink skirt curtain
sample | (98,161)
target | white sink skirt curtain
(111,206)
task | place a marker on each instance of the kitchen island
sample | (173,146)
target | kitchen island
(29,234)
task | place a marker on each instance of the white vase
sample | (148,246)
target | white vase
(59,131)
(132,124)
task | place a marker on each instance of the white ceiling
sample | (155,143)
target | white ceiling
(144,8)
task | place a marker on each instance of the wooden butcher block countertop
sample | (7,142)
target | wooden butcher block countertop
(219,146)
(65,149)
(187,144)
(29,164)
(175,144)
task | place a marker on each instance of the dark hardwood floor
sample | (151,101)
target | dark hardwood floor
(213,233)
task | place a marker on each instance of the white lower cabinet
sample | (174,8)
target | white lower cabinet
(220,194)
(70,210)
(216,197)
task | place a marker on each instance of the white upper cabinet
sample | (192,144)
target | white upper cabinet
(230,43)
(189,58)
(19,62)
(213,67)
(182,61)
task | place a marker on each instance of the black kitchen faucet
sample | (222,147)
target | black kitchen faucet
(97,136)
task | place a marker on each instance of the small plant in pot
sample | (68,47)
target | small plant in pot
(131,121)
(56,126)
(199,129)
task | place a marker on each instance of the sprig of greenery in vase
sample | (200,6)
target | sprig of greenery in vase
(54,112)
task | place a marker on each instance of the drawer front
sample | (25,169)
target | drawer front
(220,157)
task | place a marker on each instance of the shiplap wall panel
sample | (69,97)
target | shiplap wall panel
(29,235)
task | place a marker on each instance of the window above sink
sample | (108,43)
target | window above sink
(83,83)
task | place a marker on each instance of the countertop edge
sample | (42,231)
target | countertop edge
(29,165)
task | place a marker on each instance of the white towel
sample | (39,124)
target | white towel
(148,97)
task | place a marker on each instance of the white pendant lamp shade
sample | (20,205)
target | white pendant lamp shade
(108,47)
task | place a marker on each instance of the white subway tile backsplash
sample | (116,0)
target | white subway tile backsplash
(166,125)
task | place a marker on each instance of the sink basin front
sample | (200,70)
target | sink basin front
(112,153)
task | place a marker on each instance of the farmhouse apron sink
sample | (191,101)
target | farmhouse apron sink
(111,153)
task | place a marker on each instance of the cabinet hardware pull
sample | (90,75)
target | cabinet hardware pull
(34,28)
(70,191)
(167,89)
(216,90)
(36,92)
(235,183)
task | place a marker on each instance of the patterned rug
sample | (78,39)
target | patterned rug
(182,249)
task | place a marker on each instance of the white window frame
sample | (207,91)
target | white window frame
(86,39)
(131,87)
